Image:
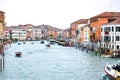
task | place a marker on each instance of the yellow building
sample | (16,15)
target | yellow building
(2,22)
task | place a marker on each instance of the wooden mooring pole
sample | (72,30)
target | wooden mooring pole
(2,60)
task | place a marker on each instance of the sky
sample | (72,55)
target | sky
(57,13)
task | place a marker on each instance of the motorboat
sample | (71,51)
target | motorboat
(47,45)
(113,71)
(18,54)
(52,41)
(42,42)
(19,43)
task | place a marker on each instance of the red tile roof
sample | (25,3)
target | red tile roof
(108,14)
(81,21)
(1,12)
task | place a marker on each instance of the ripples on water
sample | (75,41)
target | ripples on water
(56,63)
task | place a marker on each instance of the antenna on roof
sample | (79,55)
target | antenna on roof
(111,8)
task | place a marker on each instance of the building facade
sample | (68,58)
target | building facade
(98,20)
(19,32)
(110,35)
(2,24)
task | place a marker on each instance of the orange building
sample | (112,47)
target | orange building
(29,34)
(73,30)
(2,16)
(98,20)
(52,33)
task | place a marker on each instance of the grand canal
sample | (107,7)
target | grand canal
(56,63)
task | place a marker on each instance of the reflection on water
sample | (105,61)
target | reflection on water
(56,63)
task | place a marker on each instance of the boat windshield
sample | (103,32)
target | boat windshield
(108,68)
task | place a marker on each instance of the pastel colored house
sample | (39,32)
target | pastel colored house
(19,32)
(75,31)
(66,34)
(82,31)
(37,33)
(2,23)
(110,35)
(52,33)
(98,20)
(29,34)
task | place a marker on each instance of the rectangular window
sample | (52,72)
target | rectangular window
(101,45)
(117,29)
(117,46)
(112,38)
(117,38)
(112,46)
(112,29)
(90,28)
(109,29)
(101,29)
(107,38)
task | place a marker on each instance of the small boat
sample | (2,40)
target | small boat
(19,44)
(18,54)
(106,56)
(113,71)
(52,41)
(42,42)
(47,45)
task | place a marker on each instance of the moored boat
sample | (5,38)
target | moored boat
(52,41)
(18,54)
(106,56)
(67,45)
(113,71)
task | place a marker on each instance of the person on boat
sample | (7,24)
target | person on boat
(118,66)
(48,45)
(114,67)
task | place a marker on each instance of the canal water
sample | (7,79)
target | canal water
(39,62)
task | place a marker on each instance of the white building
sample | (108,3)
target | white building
(86,33)
(79,28)
(37,33)
(19,33)
(83,32)
(110,35)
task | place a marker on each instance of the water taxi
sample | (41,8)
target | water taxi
(113,71)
